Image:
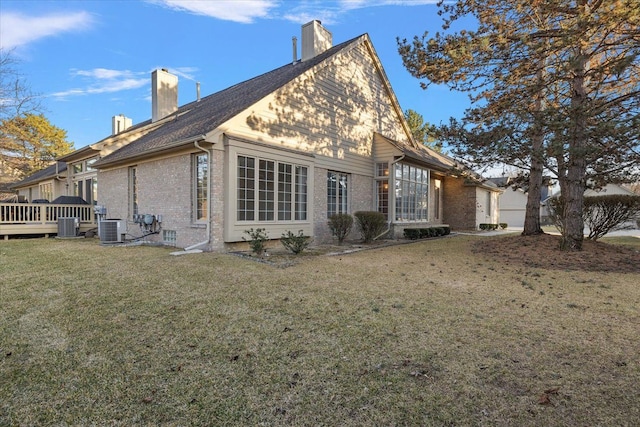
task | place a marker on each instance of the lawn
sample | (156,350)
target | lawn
(428,333)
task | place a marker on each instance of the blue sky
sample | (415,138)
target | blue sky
(91,60)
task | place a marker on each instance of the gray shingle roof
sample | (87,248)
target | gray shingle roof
(43,174)
(199,117)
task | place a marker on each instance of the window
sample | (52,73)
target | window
(246,188)
(382,188)
(337,193)
(46,191)
(133,191)
(436,198)
(411,188)
(280,191)
(78,168)
(200,165)
(301,193)
(266,192)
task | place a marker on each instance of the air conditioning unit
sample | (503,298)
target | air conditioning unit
(112,230)
(68,227)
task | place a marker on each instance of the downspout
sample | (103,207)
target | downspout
(389,222)
(208,225)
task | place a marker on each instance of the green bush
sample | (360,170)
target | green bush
(412,233)
(422,233)
(295,243)
(487,226)
(370,224)
(503,225)
(340,226)
(257,239)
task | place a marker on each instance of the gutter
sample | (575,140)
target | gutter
(205,242)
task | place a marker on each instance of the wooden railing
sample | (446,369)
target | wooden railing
(36,218)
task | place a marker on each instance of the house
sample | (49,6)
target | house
(285,150)
(513,200)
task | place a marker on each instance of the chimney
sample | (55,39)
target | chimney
(315,39)
(164,94)
(120,123)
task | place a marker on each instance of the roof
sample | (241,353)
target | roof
(423,154)
(193,120)
(42,175)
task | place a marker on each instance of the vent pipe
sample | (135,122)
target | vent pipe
(198,91)
(295,49)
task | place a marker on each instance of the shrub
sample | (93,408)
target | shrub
(370,224)
(603,214)
(487,227)
(447,230)
(340,226)
(503,225)
(412,233)
(295,243)
(257,239)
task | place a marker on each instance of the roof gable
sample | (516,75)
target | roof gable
(195,119)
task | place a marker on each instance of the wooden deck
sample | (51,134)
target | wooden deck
(36,218)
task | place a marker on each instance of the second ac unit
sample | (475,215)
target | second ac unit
(112,230)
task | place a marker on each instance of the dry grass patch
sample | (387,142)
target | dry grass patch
(430,333)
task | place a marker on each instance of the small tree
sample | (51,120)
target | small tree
(370,224)
(295,243)
(340,226)
(257,240)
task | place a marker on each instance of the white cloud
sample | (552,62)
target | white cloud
(17,29)
(229,10)
(104,80)
(329,11)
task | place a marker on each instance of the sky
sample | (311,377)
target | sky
(92,59)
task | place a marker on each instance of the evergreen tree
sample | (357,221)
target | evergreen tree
(423,133)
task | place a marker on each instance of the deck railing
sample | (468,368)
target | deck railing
(37,218)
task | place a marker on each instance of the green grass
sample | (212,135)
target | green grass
(421,334)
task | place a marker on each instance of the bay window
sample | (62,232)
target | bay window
(411,192)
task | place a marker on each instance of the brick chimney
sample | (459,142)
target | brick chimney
(315,39)
(164,94)
(120,123)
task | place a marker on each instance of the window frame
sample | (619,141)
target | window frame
(263,193)
(199,187)
(411,192)
(338,199)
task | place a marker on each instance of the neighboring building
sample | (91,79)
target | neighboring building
(513,200)
(46,184)
(282,151)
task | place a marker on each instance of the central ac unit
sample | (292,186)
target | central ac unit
(112,230)
(68,227)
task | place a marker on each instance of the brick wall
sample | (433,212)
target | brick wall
(360,199)
(459,204)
